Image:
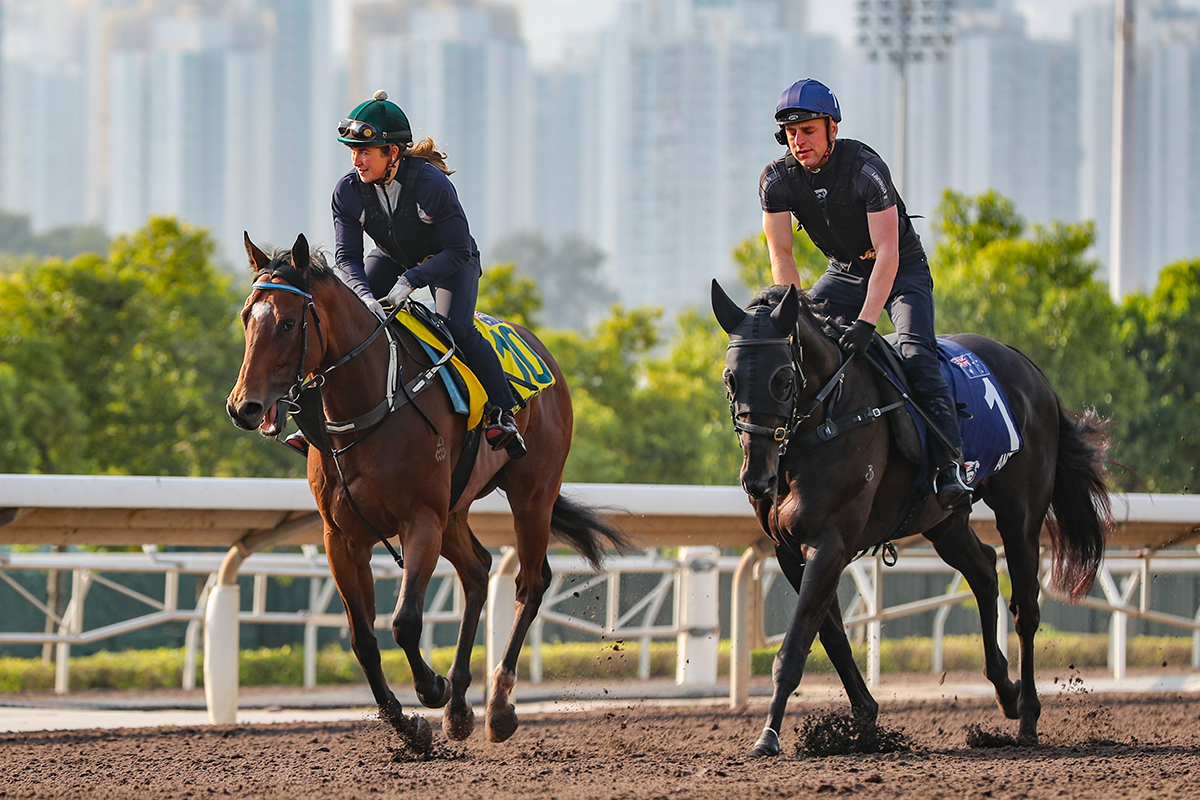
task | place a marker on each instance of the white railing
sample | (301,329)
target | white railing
(1124,582)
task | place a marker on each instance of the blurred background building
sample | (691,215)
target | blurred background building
(644,136)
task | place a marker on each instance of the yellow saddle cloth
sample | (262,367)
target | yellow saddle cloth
(527,372)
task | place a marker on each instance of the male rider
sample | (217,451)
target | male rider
(841,193)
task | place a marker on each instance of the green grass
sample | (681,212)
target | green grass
(284,666)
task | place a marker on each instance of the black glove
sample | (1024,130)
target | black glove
(857,337)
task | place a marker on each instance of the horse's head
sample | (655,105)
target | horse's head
(276,319)
(761,378)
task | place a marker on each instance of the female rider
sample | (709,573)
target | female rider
(399,194)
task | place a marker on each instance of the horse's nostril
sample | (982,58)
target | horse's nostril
(250,410)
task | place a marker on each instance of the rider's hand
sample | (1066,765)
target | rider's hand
(375,307)
(400,291)
(857,337)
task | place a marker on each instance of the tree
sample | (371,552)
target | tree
(506,295)
(567,274)
(123,364)
(754,261)
(1162,333)
(1036,291)
(66,241)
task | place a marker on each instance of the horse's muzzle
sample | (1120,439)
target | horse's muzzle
(760,487)
(247,415)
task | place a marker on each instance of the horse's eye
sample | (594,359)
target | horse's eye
(730,382)
(783,382)
(287,325)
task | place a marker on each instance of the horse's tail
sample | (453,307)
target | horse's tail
(1081,515)
(583,528)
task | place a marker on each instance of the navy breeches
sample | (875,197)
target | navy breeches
(910,307)
(454,298)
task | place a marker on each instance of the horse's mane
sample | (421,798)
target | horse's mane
(318,263)
(773,296)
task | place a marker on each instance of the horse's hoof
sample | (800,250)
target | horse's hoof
(767,744)
(439,696)
(1007,700)
(459,721)
(419,736)
(501,723)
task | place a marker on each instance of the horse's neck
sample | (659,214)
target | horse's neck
(820,352)
(346,323)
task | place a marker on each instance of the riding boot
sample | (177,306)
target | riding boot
(950,485)
(298,443)
(502,432)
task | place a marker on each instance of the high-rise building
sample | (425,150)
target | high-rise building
(678,124)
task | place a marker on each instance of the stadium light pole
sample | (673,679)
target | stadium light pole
(904,32)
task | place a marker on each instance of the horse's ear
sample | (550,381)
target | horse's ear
(300,254)
(788,311)
(258,259)
(729,314)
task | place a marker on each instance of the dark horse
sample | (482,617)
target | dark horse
(823,500)
(394,476)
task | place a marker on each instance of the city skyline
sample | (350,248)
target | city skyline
(646,142)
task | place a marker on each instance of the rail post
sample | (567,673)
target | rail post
(501,611)
(699,616)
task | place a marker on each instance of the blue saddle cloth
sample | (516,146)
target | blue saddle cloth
(991,436)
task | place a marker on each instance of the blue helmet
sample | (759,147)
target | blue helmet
(807,99)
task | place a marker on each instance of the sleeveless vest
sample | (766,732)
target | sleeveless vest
(838,228)
(402,235)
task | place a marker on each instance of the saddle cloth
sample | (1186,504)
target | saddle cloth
(990,434)
(526,371)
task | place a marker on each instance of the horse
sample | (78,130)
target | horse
(826,491)
(392,475)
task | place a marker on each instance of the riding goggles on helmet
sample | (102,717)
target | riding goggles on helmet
(363,131)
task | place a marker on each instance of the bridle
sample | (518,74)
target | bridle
(784,433)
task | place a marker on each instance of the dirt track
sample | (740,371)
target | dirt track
(1093,746)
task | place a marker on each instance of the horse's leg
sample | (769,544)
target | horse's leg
(817,588)
(421,550)
(1020,530)
(351,568)
(833,639)
(959,547)
(473,563)
(531,520)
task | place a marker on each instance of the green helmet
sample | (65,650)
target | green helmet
(375,122)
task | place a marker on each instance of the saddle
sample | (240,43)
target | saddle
(527,373)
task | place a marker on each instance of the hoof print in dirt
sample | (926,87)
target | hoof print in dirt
(977,737)
(840,734)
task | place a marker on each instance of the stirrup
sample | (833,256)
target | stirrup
(501,433)
(951,489)
(298,443)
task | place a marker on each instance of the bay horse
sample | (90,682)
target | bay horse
(391,477)
(825,498)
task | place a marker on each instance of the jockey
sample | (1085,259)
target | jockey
(841,193)
(399,194)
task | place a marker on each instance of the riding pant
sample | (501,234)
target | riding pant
(454,298)
(910,307)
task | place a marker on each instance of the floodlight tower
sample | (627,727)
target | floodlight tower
(904,31)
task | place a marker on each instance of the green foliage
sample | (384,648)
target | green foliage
(284,666)
(121,364)
(1035,291)
(506,295)
(754,261)
(567,273)
(1162,333)
(645,417)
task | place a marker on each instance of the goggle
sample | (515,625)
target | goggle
(357,129)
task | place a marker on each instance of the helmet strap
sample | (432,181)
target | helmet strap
(393,166)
